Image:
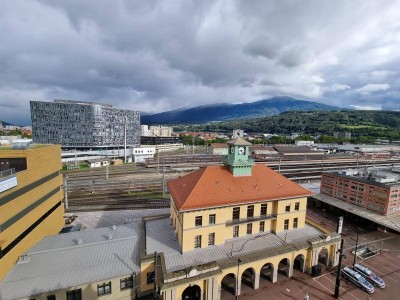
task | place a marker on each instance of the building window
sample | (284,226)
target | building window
(262,226)
(104,289)
(250,211)
(126,283)
(211,239)
(297,206)
(287,208)
(74,295)
(197,241)
(150,277)
(51,297)
(295,222)
(211,219)
(236,213)
(249,228)
(286,227)
(236,231)
(198,221)
(263,211)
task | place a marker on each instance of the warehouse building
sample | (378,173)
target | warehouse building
(375,189)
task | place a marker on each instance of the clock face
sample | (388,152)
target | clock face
(232,150)
(241,150)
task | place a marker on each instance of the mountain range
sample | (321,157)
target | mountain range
(224,112)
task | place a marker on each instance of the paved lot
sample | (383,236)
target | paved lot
(386,265)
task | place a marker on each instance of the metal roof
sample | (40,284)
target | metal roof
(60,262)
(160,237)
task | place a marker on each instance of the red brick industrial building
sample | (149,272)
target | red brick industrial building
(377,190)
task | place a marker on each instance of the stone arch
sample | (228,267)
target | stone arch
(323,256)
(299,263)
(228,283)
(249,277)
(284,267)
(192,292)
(267,272)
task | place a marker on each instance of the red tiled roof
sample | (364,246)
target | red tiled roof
(215,186)
(219,145)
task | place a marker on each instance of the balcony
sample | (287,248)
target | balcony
(251,219)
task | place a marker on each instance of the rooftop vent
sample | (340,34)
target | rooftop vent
(349,172)
(23,259)
(79,242)
(109,236)
(114,227)
(20,144)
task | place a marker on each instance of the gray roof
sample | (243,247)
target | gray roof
(389,221)
(59,262)
(160,237)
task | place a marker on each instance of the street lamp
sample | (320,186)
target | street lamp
(355,250)
(237,278)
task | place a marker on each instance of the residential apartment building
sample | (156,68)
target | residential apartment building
(375,189)
(78,124)
(30,199)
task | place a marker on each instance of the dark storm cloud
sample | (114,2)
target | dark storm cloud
(161,55)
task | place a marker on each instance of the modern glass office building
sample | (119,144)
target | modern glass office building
(78,124)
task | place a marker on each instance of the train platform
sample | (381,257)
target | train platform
(391,221)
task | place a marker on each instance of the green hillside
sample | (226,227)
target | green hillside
(372,124)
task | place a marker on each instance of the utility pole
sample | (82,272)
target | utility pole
(66,192)
(155,275)
(339,271)
(163,179)
(193,145)
(158,162)
(125,139)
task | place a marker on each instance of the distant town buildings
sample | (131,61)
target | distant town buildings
(219,148)
(342,135)
(304,143)
(237,133)
(375,189)
(163,131)
(78,124)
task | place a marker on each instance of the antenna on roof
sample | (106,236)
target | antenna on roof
(217,182)
(256,186)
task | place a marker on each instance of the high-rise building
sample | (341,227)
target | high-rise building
(30,199)
(78,124)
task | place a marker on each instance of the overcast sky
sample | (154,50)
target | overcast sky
(155,56)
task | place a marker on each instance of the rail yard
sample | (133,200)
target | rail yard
(143,186)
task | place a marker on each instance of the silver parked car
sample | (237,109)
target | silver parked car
(369,275)
(357,279)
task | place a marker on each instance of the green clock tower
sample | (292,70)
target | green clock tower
(238,157)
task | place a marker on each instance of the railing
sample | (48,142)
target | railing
(250,219)
(7,173)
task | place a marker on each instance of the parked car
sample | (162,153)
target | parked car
(369,275)
(357,279)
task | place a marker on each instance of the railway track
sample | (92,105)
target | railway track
(90,191)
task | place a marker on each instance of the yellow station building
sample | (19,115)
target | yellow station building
(239,222)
